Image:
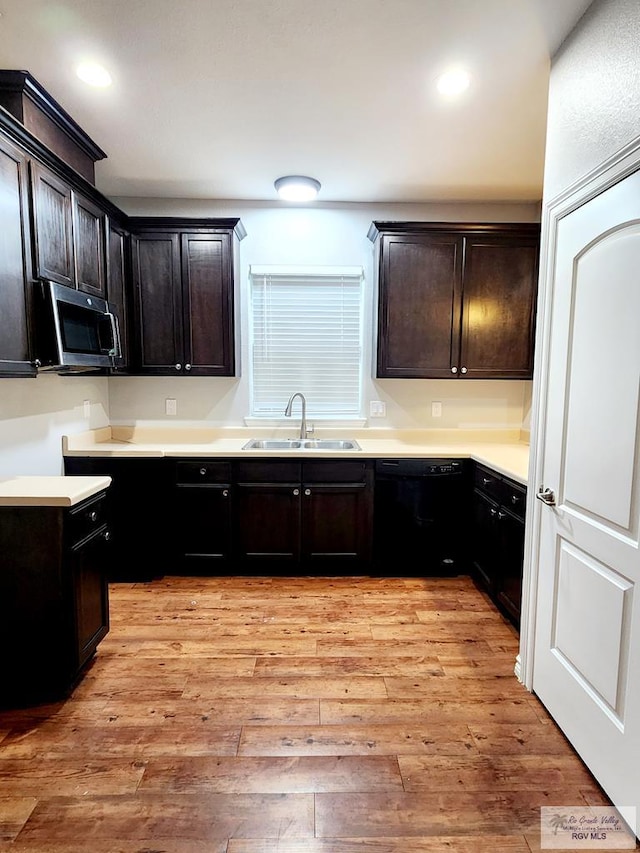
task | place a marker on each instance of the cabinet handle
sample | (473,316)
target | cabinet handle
(463,370)
(514,499)
(225,493)
(93,516)
(187,367)
(307,492)
(37,362)
(454,369)
(493,512)
(485,481)
(203,471)
(106,535)
(502,515)
(296,492)
(178,366)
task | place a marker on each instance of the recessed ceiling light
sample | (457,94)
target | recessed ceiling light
(297,188)
(453,82)
(94,74)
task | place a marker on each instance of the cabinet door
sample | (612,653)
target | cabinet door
(87,567)
(420,289)
(267,525)
(486,557)
(207,283)
(116,285)
(53,228)
(509,585)
(498,309)
(15,355)
(204,533)
(157,283)
(89,246)
(336,525)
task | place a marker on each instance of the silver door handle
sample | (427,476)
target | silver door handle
(547,496)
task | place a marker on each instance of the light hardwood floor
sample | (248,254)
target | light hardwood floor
(291,715)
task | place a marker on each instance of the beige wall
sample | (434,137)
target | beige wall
(36,413)
(323,234)
(594,101)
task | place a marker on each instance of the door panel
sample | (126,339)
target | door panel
(588,619)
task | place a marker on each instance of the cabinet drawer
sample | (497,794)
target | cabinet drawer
(268,471)
(514,498)
(203,472)
(488,482)
(321,471)
(85,518)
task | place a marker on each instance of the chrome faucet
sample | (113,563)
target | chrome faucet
(287,412)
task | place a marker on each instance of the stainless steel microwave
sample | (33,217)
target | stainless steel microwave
(75,332)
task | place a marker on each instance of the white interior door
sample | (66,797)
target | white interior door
(586,666)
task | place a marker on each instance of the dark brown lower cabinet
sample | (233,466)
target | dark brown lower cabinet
(141,517)
(498,538)
(54,604)
(314,515)
(203,510)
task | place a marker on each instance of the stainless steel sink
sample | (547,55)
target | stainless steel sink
(330,444)
(272,444)
(301,444)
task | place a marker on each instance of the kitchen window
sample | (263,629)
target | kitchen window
(306,335)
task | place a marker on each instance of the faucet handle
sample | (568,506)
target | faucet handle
(310,430)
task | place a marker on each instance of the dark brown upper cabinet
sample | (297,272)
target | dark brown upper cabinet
(69,232)
(15,271)
(455,300)
(117,283)
(184,274)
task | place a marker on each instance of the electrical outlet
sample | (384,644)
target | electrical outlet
(87,408)
(436,410)
(170,406)
(377,409)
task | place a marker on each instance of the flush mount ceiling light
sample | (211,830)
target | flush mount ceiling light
(453,82)
(94,74)
(297,188)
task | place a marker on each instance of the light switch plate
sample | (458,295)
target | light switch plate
(87,408)
(170,406)
(377,409)
(436,410)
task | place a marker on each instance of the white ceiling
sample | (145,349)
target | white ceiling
(217,98)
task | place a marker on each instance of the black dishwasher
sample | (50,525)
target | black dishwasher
(421,517)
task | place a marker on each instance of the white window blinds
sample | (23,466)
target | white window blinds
(306,336)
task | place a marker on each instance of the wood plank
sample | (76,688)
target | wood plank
(491,773)
(14,813)
(424,711)
(448,687)
(447,844)
(293,775)
(68,776)
(420,665)
(473,648)
(524,738)
(292,687)
(155,819)
(210,648)
(426,813)
(449,739)
(55,739)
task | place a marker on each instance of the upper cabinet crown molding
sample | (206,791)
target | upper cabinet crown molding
(42,115)
(208,225)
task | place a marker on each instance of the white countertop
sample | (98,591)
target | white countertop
(49,491)
(501,450)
